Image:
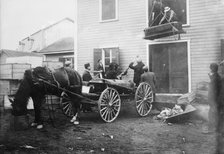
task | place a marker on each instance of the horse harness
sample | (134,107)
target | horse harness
(39,79)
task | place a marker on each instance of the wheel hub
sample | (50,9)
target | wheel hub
(110,104)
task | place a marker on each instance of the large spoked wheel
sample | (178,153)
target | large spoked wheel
(144,99)
(66,105)
(109,104)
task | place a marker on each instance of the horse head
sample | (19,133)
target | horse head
(18,108)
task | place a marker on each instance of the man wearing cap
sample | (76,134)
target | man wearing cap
(68,64)
(86,75)
(150,78)
(168,16)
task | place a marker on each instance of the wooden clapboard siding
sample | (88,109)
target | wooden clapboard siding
(204,32)
(126,33)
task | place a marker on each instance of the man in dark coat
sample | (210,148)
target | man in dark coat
(137,66)
(150,78)
(213,95)
(86,75)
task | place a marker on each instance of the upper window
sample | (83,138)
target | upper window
(156,10)
(108,10)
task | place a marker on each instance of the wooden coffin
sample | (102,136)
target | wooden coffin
(163,30)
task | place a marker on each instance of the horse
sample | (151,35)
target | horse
(34,85)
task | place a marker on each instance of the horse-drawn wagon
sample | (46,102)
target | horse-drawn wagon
(107,95)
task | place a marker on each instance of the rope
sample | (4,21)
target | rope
(155,19)
(152,10)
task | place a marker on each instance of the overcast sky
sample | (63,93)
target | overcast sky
(21,18)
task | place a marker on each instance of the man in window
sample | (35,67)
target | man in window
(86,75)
(168,16)
(137,67)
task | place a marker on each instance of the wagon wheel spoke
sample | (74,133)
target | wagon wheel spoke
(115,102)
(106,114)
(103,109)
(139,104)
(143,99)
(66,105)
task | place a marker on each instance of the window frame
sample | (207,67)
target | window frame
(108,20)
(187,14)
(188,62)
(103,57)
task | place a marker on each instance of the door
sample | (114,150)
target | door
(160,66)
(169,62)
(178,70)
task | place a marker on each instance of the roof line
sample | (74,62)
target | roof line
(59,51)
(50,26)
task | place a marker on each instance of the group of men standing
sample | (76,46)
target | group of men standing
(141,73)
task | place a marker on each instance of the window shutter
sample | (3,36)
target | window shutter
(115,55)
(97,54)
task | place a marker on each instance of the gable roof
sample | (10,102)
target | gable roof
(13,53)
(50,26)
(62,45)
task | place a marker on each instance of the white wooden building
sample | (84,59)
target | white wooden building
(108,28)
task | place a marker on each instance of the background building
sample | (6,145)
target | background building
(55,42)
(46,36)
(16,57)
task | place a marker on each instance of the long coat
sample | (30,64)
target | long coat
(214,101)
(138,70)
(214,89)
(150,78)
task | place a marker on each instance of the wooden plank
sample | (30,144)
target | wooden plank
(13,71)
(4,87)
(21,66)
(18,75)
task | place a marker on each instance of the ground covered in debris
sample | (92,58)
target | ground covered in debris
(128,134)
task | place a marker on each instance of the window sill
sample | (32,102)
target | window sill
(186,25)
(110,20)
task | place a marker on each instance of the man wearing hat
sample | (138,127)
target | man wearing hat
(86,75)
(137,66)
(168,16)
(150,78)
